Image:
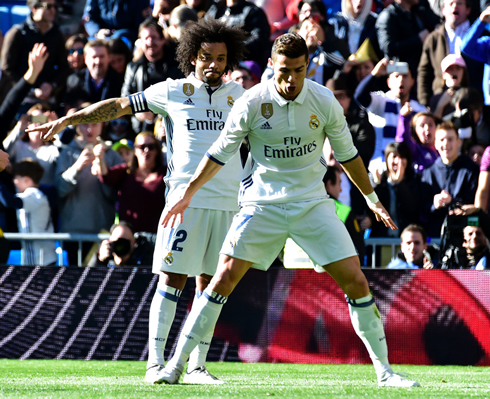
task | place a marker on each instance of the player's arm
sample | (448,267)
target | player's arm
(205,171)
(103,111)
(357,173)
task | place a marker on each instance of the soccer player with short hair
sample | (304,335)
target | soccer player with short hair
(286,121)
(195,110)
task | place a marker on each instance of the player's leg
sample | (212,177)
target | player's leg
(204,315)
(162,314)
(197,373)
(366,319)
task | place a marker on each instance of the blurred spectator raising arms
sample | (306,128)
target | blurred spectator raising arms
(39,27)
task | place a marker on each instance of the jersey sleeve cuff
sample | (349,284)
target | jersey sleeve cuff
(214,159)
(138,103)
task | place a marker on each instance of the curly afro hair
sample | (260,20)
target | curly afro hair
(210,31)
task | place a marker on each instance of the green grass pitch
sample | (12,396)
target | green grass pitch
(124,379)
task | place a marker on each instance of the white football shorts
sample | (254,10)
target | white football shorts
(193,246)
(258,233)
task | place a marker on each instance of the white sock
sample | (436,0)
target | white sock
(162,313)
(197,357)
(367,323)
(200,322)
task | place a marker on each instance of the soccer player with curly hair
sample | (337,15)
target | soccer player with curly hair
(195,110)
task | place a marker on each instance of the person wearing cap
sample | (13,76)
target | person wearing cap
(444,40)
(455,76)
(125,148)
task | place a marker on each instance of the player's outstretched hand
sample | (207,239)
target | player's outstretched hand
(382,215)
(50,129)
(172,213)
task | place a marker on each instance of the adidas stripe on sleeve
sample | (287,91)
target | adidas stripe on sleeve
(138,103)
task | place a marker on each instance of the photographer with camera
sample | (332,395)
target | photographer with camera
(125,247)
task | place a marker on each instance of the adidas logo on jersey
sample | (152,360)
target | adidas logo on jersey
(188,102)
(266,126)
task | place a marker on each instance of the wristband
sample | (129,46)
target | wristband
(371,198)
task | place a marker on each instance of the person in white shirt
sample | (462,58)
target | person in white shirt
(286,121)
(33,212)
(195,110)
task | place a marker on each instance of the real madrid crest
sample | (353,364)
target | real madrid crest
(231,101)
(314,122)
(188,89)
(267,110)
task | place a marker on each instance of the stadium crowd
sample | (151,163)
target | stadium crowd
(412,77)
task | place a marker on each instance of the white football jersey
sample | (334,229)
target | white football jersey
(194,118)
(286,137)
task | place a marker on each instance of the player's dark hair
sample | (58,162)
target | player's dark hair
(415,228)
(210,31)
(290,45)
(31,168)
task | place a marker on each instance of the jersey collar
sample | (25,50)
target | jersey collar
(281,101)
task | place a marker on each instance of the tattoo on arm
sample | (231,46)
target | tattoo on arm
(100,112)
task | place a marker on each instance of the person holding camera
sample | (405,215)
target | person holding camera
(476,245)
(453,177)
(126,247)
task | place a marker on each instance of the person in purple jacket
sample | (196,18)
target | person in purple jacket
(418,132)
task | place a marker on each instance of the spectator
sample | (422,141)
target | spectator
(22,145)
(359,65)
(402,30)
(202,6)
(119,55)
(455,76)
(104,19)
(419,133)
(39,27)
(33,211)
(152,67)
(400,190)
(356,23)
(98,81)
(142,178)
(333,186)
(476,46)
(384,108)
(364,139)
(125,247)
(247,74)
(120,129)
(475,153)
(180,17)
(471,117)
(413,253)
(10,106)
(476,245)
(252,20)
(74,46)
(80,191)
(444,40)
(125,148)
(453,178)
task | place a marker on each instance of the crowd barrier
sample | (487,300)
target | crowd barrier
(298,316)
